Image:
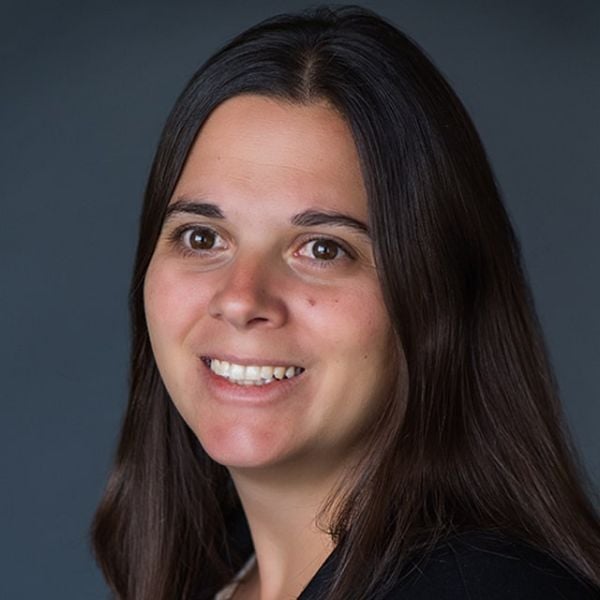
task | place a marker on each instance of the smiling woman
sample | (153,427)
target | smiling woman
(339,387)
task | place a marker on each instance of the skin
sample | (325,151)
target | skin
(265,289)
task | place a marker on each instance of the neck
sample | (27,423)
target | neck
(282,507)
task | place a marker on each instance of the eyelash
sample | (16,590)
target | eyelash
(176,239)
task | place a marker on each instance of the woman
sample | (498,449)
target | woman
(339,386)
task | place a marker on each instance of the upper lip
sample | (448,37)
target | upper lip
(248,362)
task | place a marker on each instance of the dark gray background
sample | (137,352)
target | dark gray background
(85,89)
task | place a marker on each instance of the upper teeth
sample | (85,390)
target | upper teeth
(253,374)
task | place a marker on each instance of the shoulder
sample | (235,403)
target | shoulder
(482,565)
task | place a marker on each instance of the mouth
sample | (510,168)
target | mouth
(251,375)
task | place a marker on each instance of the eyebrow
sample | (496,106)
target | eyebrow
(202,209)
(307,218)
(314,218)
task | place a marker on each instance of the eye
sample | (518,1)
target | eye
(200,238)
(196,239)
(322,249)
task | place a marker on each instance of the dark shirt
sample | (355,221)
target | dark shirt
(475,565)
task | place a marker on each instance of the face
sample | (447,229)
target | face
(262,301)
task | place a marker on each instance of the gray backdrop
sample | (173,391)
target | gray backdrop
(85,89)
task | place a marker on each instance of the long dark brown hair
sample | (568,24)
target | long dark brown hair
(473,435)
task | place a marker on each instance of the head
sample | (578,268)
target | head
(265,263)
(411,167)
(436,313)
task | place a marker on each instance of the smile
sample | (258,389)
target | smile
(250,374)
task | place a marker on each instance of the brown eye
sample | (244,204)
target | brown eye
(325,249)
(202,239)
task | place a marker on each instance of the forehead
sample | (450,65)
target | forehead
(255,146)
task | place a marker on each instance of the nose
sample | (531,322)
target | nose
(247,296)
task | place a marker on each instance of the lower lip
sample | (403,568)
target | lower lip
(226,391)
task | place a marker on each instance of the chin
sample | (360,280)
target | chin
(242,447)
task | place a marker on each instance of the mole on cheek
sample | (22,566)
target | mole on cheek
(311,301)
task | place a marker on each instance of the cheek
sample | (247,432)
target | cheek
(352,334)
(173,301)
(348,320)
